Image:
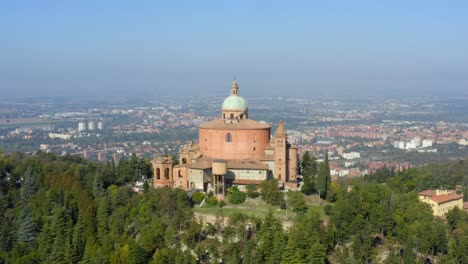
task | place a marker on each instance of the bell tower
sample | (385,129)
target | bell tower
(163,176)
(280,142)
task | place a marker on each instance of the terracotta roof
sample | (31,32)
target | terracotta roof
(253,164)
(268,157)
(440,199)
(242,124)
(429,193)
(465,206)
(202,163)
(246,164)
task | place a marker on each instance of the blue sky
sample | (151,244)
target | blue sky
(155,48)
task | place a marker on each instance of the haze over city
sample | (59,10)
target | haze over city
(173,48)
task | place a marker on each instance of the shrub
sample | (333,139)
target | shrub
(221,204)
(270,192)
(296,202)
(252,191)
(198,197)
(236,196)
(211,200)
(327,208)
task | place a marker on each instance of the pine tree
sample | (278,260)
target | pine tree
(27,230)
(78,240)
(5,230)
(102,213)
(98,185)
(318,254)
(29,186)
(292,252)
(137,255)
(61,248)
(271,239)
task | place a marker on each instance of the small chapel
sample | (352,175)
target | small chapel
(232,150)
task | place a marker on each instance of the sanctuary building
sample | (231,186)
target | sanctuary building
(231,150)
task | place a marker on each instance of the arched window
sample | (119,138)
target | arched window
(228,137)
(166,173)
(158,173)
(232,116)
(224,116)
(184,161)
(180,174)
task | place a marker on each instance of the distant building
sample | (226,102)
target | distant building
(117,157)
(463,142)
(441,201)
(416,142)
(376,165)
(102,156)
(91,125)
(427,143)
(351,155)
(401,145)
(100,125)
(60,136)
(81,126)
(410,145)
(87,154)
(44,147)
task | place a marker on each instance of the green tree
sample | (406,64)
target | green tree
(318,254)
(296,202)
(309,172)
(27,228)
(61,248)
(236,196)
(270,192)
(323,178)
(137,255)
(252,191)
(271,239)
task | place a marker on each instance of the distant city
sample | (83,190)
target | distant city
(360,137)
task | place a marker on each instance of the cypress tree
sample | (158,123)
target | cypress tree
(323,178)
(309,171)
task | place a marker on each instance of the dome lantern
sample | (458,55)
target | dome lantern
(234,106)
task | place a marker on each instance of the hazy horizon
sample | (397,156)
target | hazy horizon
(185,48)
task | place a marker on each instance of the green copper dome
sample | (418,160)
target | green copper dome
(235,103)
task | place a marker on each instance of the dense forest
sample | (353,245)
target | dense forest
(64,209)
